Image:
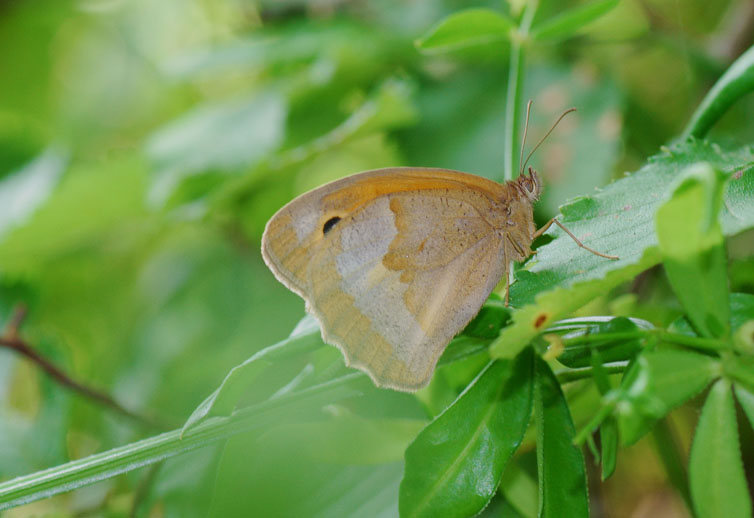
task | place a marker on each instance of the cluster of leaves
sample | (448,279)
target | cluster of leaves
(499,431)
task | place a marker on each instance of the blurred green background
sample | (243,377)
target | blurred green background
(144,144)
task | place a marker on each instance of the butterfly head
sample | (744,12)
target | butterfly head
(530,185)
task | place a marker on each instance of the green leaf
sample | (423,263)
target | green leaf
(716,473)
(658,382)
(454,466)
(692,244)
(672,455)
(24,190)
(610,350)
(467,29)
(736,82)
(742,321)
(746,399)
(561,469)
(608,446)
(348,438)
(520,490)
(216,138)
(304,338)
(570,22)
(739,368)
(265,476)
(617,220)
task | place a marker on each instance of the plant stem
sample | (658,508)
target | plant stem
(708,344)
(571,375)
(513,94)
(12,340)
(108,464)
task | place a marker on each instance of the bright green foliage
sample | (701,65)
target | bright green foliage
(692,245)
(718,483)
(570,22)
(467,29)
(560,464)
(658,382)
(618,220)
(454,466)
(143,146)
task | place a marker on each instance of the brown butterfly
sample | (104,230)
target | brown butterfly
(395,262)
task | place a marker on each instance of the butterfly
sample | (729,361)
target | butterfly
(395,262)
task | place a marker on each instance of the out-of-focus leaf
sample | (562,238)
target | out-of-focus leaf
(570,22)
(737,81)
(280,479)
(466,29)
(454,466)
(306,337)
(520,490)
(692,245)
(225,137)
(23,191)
(348,438)
(716,473)
(658,382)
(388,107)
(618,220)
(88,206)
(560,464)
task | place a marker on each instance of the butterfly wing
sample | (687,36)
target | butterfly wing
(393,263)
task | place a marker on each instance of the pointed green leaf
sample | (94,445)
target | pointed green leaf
(746,399)
(562,473)
(609,446)
(570,22)
(692,245)
(737,81)
(617,220)
(660,381)
(718,482)
(454,466)
(742,321)
(467,29)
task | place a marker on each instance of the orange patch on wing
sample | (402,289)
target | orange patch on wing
(369,188)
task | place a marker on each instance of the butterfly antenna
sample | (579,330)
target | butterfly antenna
(569,110)
(523,141)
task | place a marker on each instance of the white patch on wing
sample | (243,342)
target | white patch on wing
(378,292)
(304,222)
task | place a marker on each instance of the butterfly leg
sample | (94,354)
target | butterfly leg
(582,245)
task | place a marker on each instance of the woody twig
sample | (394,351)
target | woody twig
(12,339)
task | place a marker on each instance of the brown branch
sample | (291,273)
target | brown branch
(13,341)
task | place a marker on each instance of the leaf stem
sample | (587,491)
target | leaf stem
(708,344)
(108,464)
(571,375)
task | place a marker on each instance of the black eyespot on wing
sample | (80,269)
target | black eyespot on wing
(329,224)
